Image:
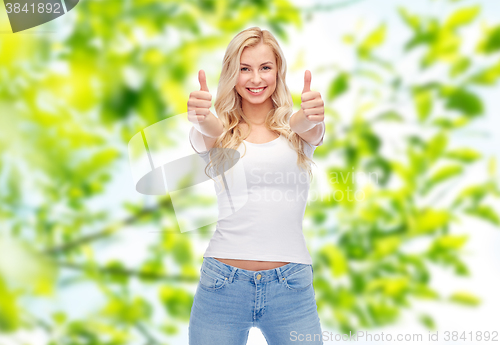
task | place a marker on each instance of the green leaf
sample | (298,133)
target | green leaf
(382,312)
(492,167)
(447,242)
(297,99)
(177,302)
(465,298)
(430,220)
(59,317)
(115,272)
(182,252)
(338,86)
(460,267)
(465,154)
(153,266)
(445,173)
(170,329)
(465,101)
(378,170)
(389,115)
(279,31)
(461,17)
(127,311)
(413,21)
(335,259)
(459,66)
(373,40)
(427,321)
(348,39)
(447,123)
(423,102)
(386,246)
(395,286)
(423,291)
(341,180)
(419,39)
(436,146)
(491,42)
(486,213)
(475,193)
(486,76)
(9,315)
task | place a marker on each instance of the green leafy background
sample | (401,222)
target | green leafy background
(72,98)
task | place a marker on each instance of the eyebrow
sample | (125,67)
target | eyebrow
(267,62)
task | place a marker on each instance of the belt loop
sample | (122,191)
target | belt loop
(231,276)
(280,276)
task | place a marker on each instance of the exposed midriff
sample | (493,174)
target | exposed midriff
(252,265)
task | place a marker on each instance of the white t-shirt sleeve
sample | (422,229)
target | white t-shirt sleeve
(322,124)
(322,135)
(198,145)
(309,148)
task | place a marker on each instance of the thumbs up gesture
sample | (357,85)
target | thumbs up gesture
(312,105)
(199,102)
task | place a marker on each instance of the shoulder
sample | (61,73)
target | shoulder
(307,147)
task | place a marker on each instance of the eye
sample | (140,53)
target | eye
(267,67)
(243,68)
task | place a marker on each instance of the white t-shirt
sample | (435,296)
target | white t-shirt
(262,210)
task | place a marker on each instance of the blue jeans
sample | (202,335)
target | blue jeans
(281,302)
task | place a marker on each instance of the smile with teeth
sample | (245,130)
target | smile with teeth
(257,90)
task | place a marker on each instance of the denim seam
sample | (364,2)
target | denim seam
(297,290)
(211,289)
(265,300)
(280,275)
(231,275)
(215,271)
(296,272)
(211,274)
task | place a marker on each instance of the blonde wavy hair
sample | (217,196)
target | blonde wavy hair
(228,104)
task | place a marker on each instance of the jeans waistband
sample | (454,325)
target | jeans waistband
(241,274)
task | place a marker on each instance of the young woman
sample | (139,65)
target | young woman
(257,271)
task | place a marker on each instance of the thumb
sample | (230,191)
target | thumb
(203,80)
(307,81)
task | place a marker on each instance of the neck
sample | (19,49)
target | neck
(257,112)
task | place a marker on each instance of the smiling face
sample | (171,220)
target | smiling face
(258,71)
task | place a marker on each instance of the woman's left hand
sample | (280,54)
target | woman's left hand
(312,104)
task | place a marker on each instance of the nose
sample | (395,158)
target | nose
(256,78)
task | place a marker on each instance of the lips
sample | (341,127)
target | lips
(258,93)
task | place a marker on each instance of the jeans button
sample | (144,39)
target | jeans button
(258,276)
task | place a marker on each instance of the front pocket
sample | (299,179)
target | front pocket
(212,281)
(299,280)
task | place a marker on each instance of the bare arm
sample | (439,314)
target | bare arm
(313,134)
(204,135)
(206,126)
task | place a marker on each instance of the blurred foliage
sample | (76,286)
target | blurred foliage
(371,253)
(70,103)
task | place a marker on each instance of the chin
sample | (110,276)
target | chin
(256,101)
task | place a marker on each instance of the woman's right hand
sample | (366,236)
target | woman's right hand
(199,102)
